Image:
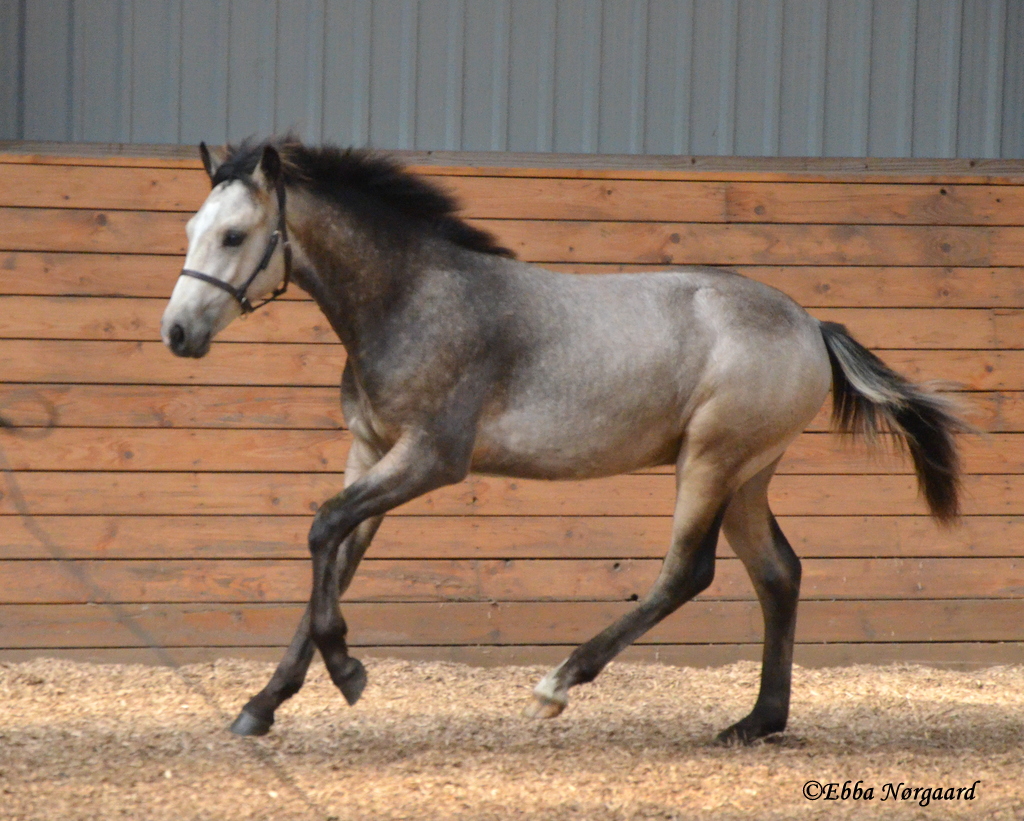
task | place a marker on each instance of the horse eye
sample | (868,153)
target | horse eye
(232,238)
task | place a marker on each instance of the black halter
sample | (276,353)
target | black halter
(279,235)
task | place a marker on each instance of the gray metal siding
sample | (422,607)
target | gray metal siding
(897,78)
(759,78)
(1013,82)
(848,78)
(803,79)
(891,91)
(981,76)
(938,59)
(11,69)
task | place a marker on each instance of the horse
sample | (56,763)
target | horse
(461,358)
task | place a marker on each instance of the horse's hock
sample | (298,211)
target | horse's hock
(181,492)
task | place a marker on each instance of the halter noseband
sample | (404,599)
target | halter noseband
(279,235)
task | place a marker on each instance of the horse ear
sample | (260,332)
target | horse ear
(210,162)
(270,165)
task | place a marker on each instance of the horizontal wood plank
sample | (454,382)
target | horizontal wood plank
(281,364)
(386,580)
(33,185)
(141,363)
(196,406)
(931,328)
(533,197)
(108,155)
(968,370)
(92,231)
(494,623)
(57,273)
(734,201)
(530,197)
(291,494)
(187,536)
(571,166)
(873,204)
(737,244)
(133,319)
(159,232)
(825,454)
(308,408)
(138,319)
(318,451)
(151,449)
(891,286)
(149,275)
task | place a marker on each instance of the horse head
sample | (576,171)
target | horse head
(238,250)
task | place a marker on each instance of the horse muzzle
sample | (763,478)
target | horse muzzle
(185,341)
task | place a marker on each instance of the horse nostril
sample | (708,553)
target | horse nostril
(177,337)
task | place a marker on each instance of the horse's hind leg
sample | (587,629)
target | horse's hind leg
(257,716)
(774,569)
(688,569)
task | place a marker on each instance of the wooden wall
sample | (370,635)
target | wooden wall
(146,498)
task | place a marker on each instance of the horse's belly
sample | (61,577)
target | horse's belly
(572,449)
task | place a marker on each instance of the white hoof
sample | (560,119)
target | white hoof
(549,699)
(543,708)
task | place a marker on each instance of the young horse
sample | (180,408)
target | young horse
(462,359)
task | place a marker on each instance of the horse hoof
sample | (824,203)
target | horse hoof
(731,737)
(352,681)
(542,707)
(743,733)
(248,724)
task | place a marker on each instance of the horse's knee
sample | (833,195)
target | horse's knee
(328,524)
(328,629)
(319,531)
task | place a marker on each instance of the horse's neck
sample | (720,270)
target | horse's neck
(352,280)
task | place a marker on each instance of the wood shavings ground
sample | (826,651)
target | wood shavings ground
(446,741)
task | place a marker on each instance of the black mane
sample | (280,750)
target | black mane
(375,186)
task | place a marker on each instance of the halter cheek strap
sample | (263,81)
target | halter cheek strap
(280,235)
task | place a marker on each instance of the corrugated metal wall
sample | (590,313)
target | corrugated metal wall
(882,78)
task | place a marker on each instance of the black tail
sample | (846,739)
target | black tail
(868,397)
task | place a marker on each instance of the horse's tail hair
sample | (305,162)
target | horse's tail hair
(869,398)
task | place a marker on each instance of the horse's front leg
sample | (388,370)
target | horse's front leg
(257,717)
(416,465)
